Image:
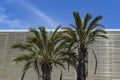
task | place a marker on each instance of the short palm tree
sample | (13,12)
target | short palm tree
(78,37)
(43,51)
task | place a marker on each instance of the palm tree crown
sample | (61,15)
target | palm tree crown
(44,51)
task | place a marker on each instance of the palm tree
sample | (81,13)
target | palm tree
(44,50)
(78,37)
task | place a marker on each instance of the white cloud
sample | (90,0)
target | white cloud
(16,23)
(8,23)
(40,14)
(5,21)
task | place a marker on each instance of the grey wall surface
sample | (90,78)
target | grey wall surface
(107,51)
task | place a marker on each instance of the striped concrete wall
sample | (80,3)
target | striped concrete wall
(108,54)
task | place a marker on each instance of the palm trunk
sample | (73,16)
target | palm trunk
(46,71)
(82,67)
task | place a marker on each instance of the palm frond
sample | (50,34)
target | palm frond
(79,25)
(36,39)
(98,25)
(58,62)
(94,24)
(72,25)
(34,31)
(21,46)
(26,67)
(22,57)
(94,21)
(36,67)
(86,20)
(101,31)
(95,60)
(95,33)
(55,32)
(61,75)
(31,39)
(58,45)
(78,20)
(103,36)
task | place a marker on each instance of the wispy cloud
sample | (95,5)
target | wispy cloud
(6,22)
(39,13)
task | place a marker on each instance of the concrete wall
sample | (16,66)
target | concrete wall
(108,54)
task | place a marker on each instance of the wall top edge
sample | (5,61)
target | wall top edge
(47,30)
(21,30)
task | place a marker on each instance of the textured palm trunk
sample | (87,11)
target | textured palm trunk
(46,71)
(82,65)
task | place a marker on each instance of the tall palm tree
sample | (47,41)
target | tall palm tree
(78,37)
(44,51)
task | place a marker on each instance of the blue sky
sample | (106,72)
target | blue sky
(22,14)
